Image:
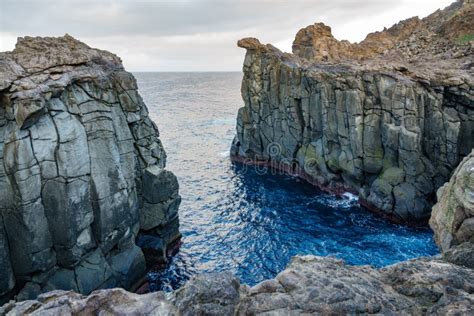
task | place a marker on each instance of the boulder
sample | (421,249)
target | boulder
(62,279)
(93,272)
(208,294)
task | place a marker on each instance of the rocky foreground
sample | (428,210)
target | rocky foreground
(387,119)
(81,172)
(309,285)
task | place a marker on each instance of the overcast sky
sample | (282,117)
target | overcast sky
(195,35)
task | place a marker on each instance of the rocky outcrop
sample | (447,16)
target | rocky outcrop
(421,44)
(328,286)
(452,219)
(387,121)
(81,171)
(317,43)
(309,285)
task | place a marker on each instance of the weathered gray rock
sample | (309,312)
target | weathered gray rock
(79,159)
(92,272)
(308,286)
(452,219)
(128,264)
(161,199)
(109,302)
(70,215)
(159,185)
(29,292)
(62,279)
(462,255)
(153,248)
(152,215)
(208,294)
(343,118)
(324,285)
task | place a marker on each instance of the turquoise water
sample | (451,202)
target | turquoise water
(236,218)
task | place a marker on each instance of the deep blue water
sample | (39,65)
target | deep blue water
(233,217)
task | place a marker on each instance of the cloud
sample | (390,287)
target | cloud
(196,35)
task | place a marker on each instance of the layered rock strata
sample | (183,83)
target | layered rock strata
(388,121)
(308,286)
(81,171)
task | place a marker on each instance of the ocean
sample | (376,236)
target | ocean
(235,218)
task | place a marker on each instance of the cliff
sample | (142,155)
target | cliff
(388,119)
(81,171)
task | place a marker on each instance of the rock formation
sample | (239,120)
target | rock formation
(441,285)
(418,42)
(452,219)
(81,171)
(309,285)
(317,43)
(388,119)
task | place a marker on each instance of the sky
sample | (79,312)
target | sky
(196,35)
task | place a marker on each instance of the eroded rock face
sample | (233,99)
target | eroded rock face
(81,164)
(309,285)
(452,219)
(391,130)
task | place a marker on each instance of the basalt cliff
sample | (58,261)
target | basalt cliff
(388,118)
(81,172)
